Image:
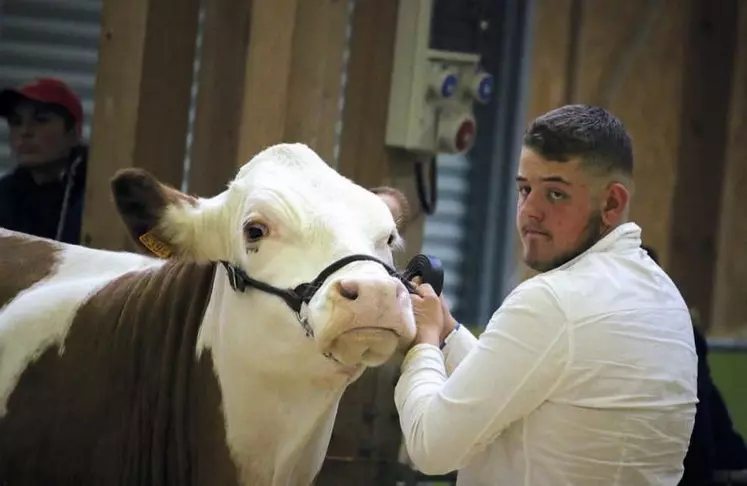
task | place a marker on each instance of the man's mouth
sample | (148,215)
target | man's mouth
(535,232)
(27,150)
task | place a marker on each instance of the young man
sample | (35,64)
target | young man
(44,193)
(587,373)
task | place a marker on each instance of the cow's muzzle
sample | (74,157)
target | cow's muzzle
(429,269)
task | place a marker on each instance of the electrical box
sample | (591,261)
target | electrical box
(432,91)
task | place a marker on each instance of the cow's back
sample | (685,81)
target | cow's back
(99,379)
(42,284)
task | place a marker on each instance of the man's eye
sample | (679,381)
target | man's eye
(556,195)
(523,191)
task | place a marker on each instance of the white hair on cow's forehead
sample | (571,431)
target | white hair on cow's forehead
(281,157)
(279,175)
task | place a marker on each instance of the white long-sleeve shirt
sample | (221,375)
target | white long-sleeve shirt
(586,375)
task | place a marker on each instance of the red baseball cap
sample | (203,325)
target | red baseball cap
(44,90)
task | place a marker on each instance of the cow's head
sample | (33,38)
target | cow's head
(285,217)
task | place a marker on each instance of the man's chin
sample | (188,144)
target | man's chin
(540,266)
(547,264)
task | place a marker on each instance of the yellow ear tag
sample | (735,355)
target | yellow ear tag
(156,246)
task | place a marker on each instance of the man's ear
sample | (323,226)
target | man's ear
(615,204)
(160,219)
(397,203)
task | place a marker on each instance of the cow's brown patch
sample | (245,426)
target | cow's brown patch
(24,260)
(141,201)
(397,203)
(127,403)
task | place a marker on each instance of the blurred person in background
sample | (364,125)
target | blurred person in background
(43,194)
(714,444)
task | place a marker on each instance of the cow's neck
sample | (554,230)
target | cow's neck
(280,395)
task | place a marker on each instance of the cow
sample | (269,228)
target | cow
(221,355)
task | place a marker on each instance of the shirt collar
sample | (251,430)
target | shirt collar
(627,236)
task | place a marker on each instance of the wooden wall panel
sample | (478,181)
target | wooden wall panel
(292,78)
(729,317)
(225,41)
(142,104)
(696,204)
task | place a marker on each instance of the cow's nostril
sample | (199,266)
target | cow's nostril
(349,289)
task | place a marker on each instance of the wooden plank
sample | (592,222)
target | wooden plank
(729,317)
(267,76)
(550,48)
(314,89)
(142,103)
(225,41)
(701,153)
(293,72)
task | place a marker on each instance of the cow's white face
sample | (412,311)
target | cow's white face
(284,218)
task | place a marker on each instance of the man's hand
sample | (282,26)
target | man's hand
(429,311)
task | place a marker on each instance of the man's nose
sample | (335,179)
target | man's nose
(25,129)
(531,207)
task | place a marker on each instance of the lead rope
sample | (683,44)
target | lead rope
(66,197)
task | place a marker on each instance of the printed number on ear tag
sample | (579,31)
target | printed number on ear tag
(156,246)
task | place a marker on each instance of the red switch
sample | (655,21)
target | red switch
(465,135)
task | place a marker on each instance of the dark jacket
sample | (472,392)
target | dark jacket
(714,444)
(51,210)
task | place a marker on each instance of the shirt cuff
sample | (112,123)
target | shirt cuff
(450,335)
(457,348)
(420,351)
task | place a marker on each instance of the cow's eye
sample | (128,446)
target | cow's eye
(255,231)
(392,238)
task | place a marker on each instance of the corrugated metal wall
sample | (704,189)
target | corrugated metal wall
(444,231)
(57,38)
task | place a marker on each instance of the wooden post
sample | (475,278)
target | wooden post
(729,305)
(293,75)
(225,41)
(702,151)
(142,104)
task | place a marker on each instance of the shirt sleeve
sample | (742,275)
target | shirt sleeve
(510,370)
(460,344)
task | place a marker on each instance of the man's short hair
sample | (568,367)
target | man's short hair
(589,133)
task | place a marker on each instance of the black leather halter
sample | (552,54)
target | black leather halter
(426,267)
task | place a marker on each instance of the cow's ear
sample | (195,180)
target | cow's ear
(397,203)
(160,219)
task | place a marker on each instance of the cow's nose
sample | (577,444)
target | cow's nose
(349,289)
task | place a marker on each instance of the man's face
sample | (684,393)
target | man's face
(38,135)
(558,215)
